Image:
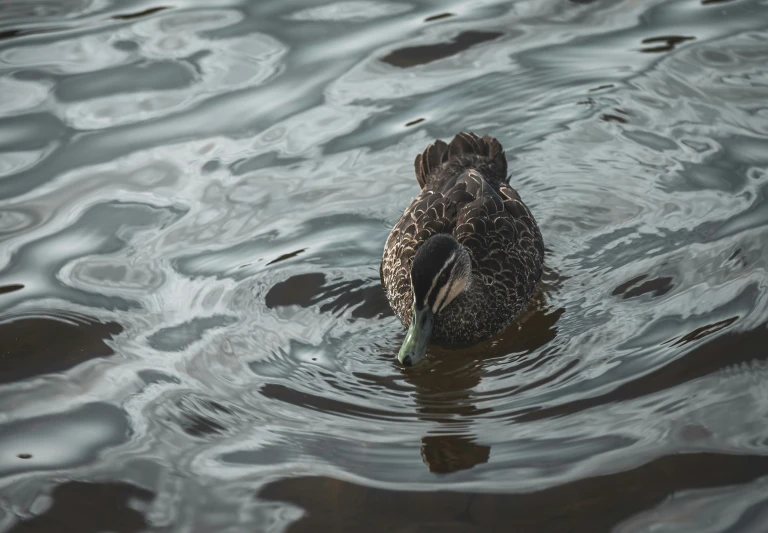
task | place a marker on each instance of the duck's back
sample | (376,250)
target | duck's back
(465,193)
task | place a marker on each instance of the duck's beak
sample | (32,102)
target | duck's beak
(417,339)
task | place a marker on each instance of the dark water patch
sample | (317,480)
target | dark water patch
(613,118)
(83,507)
(439,17)
(421,55)
(27,350)
(602,87)
(140,14)
(723,351)
(633,288)
(25,32)
(307,290)
(711,2)
(211,166)
(342,295)
(198,424)
(302,290)
(126,45)
(703,331)
(286,256)
(414,122)
(368,302)
(669,43)
(596,504)
(622,288)
(13,287)
(738,258)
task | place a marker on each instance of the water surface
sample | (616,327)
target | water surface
(193,204)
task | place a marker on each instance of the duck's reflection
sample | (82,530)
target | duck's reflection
(446,387)
(444,454)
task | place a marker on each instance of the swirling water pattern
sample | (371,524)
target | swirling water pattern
(193,203)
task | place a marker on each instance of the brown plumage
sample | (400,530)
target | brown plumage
(464,193)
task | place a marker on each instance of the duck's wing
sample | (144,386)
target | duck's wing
(530,235)
(499,232)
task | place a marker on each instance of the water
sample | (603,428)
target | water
(194,200)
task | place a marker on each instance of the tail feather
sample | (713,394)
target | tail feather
(466,150)
(429,160)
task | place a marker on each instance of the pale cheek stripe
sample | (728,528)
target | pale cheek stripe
(454,290)
(442,296)
(434,280)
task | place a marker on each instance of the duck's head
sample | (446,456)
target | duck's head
(441,270)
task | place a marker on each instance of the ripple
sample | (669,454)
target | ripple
(14,162)
(179,337)
(355,11)
(705,510)
(20,95)
(148,75)
(194,204)
(14,221)
(60,441)
(105,228)
(605,500)
(89,53)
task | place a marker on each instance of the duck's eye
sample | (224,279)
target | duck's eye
(444,278)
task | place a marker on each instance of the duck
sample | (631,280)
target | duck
(466,256)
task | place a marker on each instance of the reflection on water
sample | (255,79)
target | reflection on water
(40,345)
(193,203)
(594,505)
(91,508)
(420,55)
